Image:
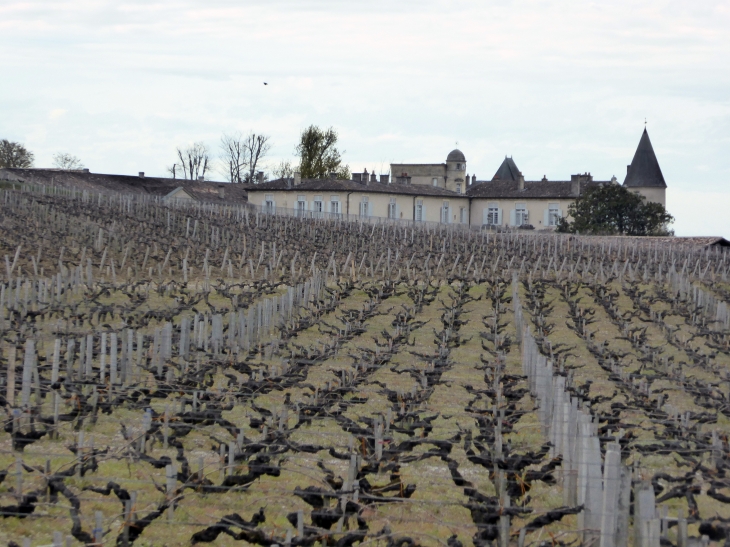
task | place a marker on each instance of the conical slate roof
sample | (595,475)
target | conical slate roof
(644,170)
(507,171)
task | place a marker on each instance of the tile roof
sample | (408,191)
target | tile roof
(644,170)
(208,191)
(333,185)
(534,189)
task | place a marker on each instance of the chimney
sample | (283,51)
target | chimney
(357,177)
(365,175)
(260,177)
(297,178)
(473,179)
(141,174)
(384,179)
(521,183)
(628,168)
(201,178)
(373,177)
(333,175)
(85,170)
(575,185)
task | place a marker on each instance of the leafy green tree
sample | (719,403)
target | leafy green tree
(318,154)
(612,209)
(14,154)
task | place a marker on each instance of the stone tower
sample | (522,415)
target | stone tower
(456,171)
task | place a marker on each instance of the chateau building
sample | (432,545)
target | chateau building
(444,193)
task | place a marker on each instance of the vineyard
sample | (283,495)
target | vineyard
(176,374)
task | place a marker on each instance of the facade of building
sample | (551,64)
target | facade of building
(319,198)
(444,193)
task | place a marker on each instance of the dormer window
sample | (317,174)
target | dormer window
(458,188)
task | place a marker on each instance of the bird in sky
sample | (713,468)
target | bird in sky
(266,83)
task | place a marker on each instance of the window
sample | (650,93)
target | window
(458,167)
(458,188)
(445,212)
(553,214)
(365,207)
(301,205)
(317,208)
(269,203)
(492,214)
(419,210)
(462,215)
(335,205)
(521,216)
(392,213)
(435,181)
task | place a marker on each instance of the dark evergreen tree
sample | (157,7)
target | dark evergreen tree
(612,209)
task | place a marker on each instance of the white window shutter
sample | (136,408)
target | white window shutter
(546,218)
(423,212)
(499,216)
(485,215)
(512,217)
(560,213)
(397,211)
(273,206)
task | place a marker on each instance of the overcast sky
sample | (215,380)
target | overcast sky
(561,86)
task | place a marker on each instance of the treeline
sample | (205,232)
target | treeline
(240,158)
(243,158)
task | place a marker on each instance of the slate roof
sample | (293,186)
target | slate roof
(334,185)
(207,191)
(534,189)
(456,155)
(644,170)
(507,171)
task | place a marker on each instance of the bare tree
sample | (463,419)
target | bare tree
(233,154)
(242,156)
(194,162)
(14,154)
(256,147)
(64,160)
(283,170)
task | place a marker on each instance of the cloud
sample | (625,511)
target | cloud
(563,86)
(56,113)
